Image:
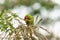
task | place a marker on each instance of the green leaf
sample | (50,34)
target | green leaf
(39,21)
(8,17)
(14,15)
(1,13)
(36,18)
(11,26)
(1,19)
(10,33)
(2,22)
(4,27)
(7,30)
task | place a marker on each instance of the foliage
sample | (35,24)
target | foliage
(10,4)
(5,21)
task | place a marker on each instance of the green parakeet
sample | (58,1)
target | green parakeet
(29,19)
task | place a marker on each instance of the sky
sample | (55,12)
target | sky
(56,1)
(1,1)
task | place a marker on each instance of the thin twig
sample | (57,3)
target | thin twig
(45,29)
(20,18)
(40,36)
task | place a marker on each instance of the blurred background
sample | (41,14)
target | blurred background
(48,10)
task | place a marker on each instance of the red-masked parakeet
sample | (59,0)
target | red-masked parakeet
(29,19)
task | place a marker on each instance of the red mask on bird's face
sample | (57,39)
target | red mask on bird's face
(25,18)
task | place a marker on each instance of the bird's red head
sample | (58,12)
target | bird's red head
(25,18)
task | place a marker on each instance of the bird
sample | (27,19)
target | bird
(29,19)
